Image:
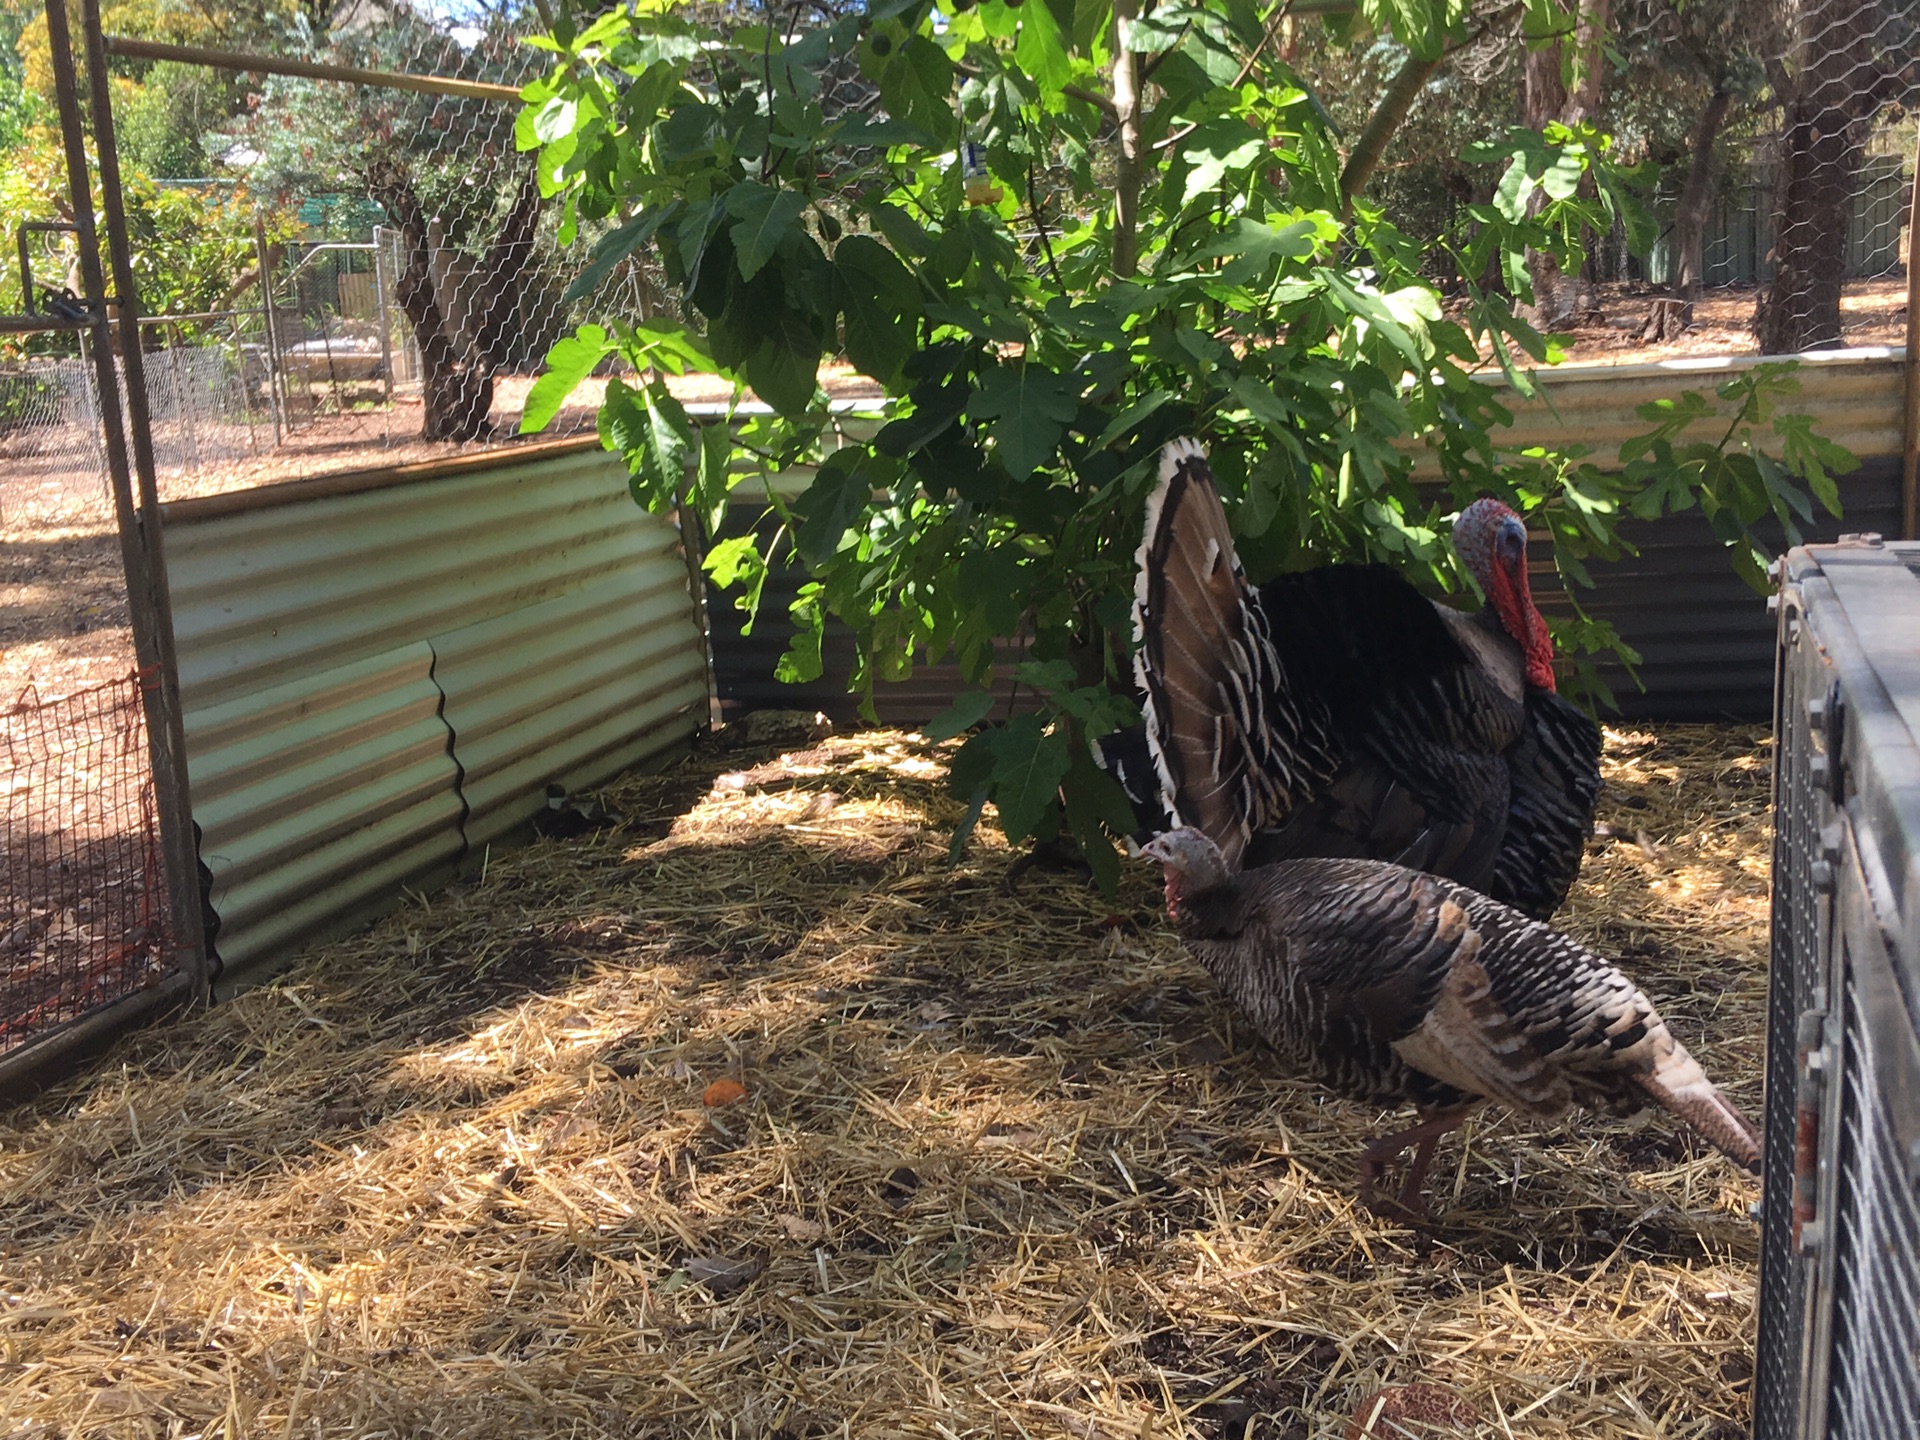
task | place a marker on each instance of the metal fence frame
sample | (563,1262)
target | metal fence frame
(1840,1241)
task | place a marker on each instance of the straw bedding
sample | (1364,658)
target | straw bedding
(976,1163)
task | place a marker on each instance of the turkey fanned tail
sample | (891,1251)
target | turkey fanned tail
(1234,752)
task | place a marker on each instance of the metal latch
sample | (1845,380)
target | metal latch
(1821,871)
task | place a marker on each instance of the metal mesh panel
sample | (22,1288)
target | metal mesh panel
(1876,1353)
(1796,961)
(51,461)
(84,909)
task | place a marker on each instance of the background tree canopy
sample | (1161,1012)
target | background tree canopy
(1059,233)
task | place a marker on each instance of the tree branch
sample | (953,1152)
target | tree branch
(1381,126)
(1099,102)
(1394,107)
(1126,106)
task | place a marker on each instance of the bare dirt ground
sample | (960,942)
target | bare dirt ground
(1873,312)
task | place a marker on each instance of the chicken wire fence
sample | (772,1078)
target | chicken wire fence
(209,405)
(83,916)
(429,279)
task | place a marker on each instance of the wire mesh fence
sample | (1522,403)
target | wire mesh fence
(83,915)
(51,461)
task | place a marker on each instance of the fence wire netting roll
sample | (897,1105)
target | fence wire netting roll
(85,919)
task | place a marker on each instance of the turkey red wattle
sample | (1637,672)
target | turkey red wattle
(1492,542)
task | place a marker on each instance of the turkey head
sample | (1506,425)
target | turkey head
(1492,542)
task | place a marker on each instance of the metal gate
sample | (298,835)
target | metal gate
(1840,1246)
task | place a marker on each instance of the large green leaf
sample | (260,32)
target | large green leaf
(570,361)
(712,477)
(764,216)
(738,561)
(916,85)
(969,708)
(1417,24)
(1041,50)
(881,303)
(802,661)
(1095,806)
(841,491)
(660,447)
(1028,765)
(1219,148)
(615,246)
(1032,406)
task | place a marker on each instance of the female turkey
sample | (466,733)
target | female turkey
(1350,715)
(1384,983)
(1392,987)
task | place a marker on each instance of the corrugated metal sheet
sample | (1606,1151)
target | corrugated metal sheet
(376,680)
(1856,396)
(1705,638)
(571,691)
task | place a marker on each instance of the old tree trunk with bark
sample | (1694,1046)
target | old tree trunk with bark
(1671,315)
(461,307)
(1830,102)
(1563,84)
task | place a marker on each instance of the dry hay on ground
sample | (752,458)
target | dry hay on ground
(1004,1165)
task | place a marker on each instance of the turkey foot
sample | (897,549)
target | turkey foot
(1425,1137)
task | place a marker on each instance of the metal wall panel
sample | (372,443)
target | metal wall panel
(571,691)
(1705,638)
(348,658)
(1855,397)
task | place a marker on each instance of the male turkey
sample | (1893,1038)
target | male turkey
(1386,984)
(1353,717)
(1391,986)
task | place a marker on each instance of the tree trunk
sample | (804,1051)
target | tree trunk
(1696,196)
(1563,84)
(1672,315)
(460,321)
(1126,106)
(1828,110)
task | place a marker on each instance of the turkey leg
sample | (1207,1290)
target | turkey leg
(1426,1136)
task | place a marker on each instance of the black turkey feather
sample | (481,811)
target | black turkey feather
(1295,770)
(1339,712)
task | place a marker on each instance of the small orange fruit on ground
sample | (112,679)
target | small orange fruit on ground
(723,1092)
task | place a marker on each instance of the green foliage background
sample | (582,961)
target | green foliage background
(1033,369)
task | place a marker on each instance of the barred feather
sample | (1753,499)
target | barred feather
(1339,712)
(1392,986)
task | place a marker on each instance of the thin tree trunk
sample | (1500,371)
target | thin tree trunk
(1696,196)
(1126,104)
(1825,134)
(1672,314)
(1381,125)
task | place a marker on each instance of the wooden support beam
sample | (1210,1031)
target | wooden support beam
(308,69)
